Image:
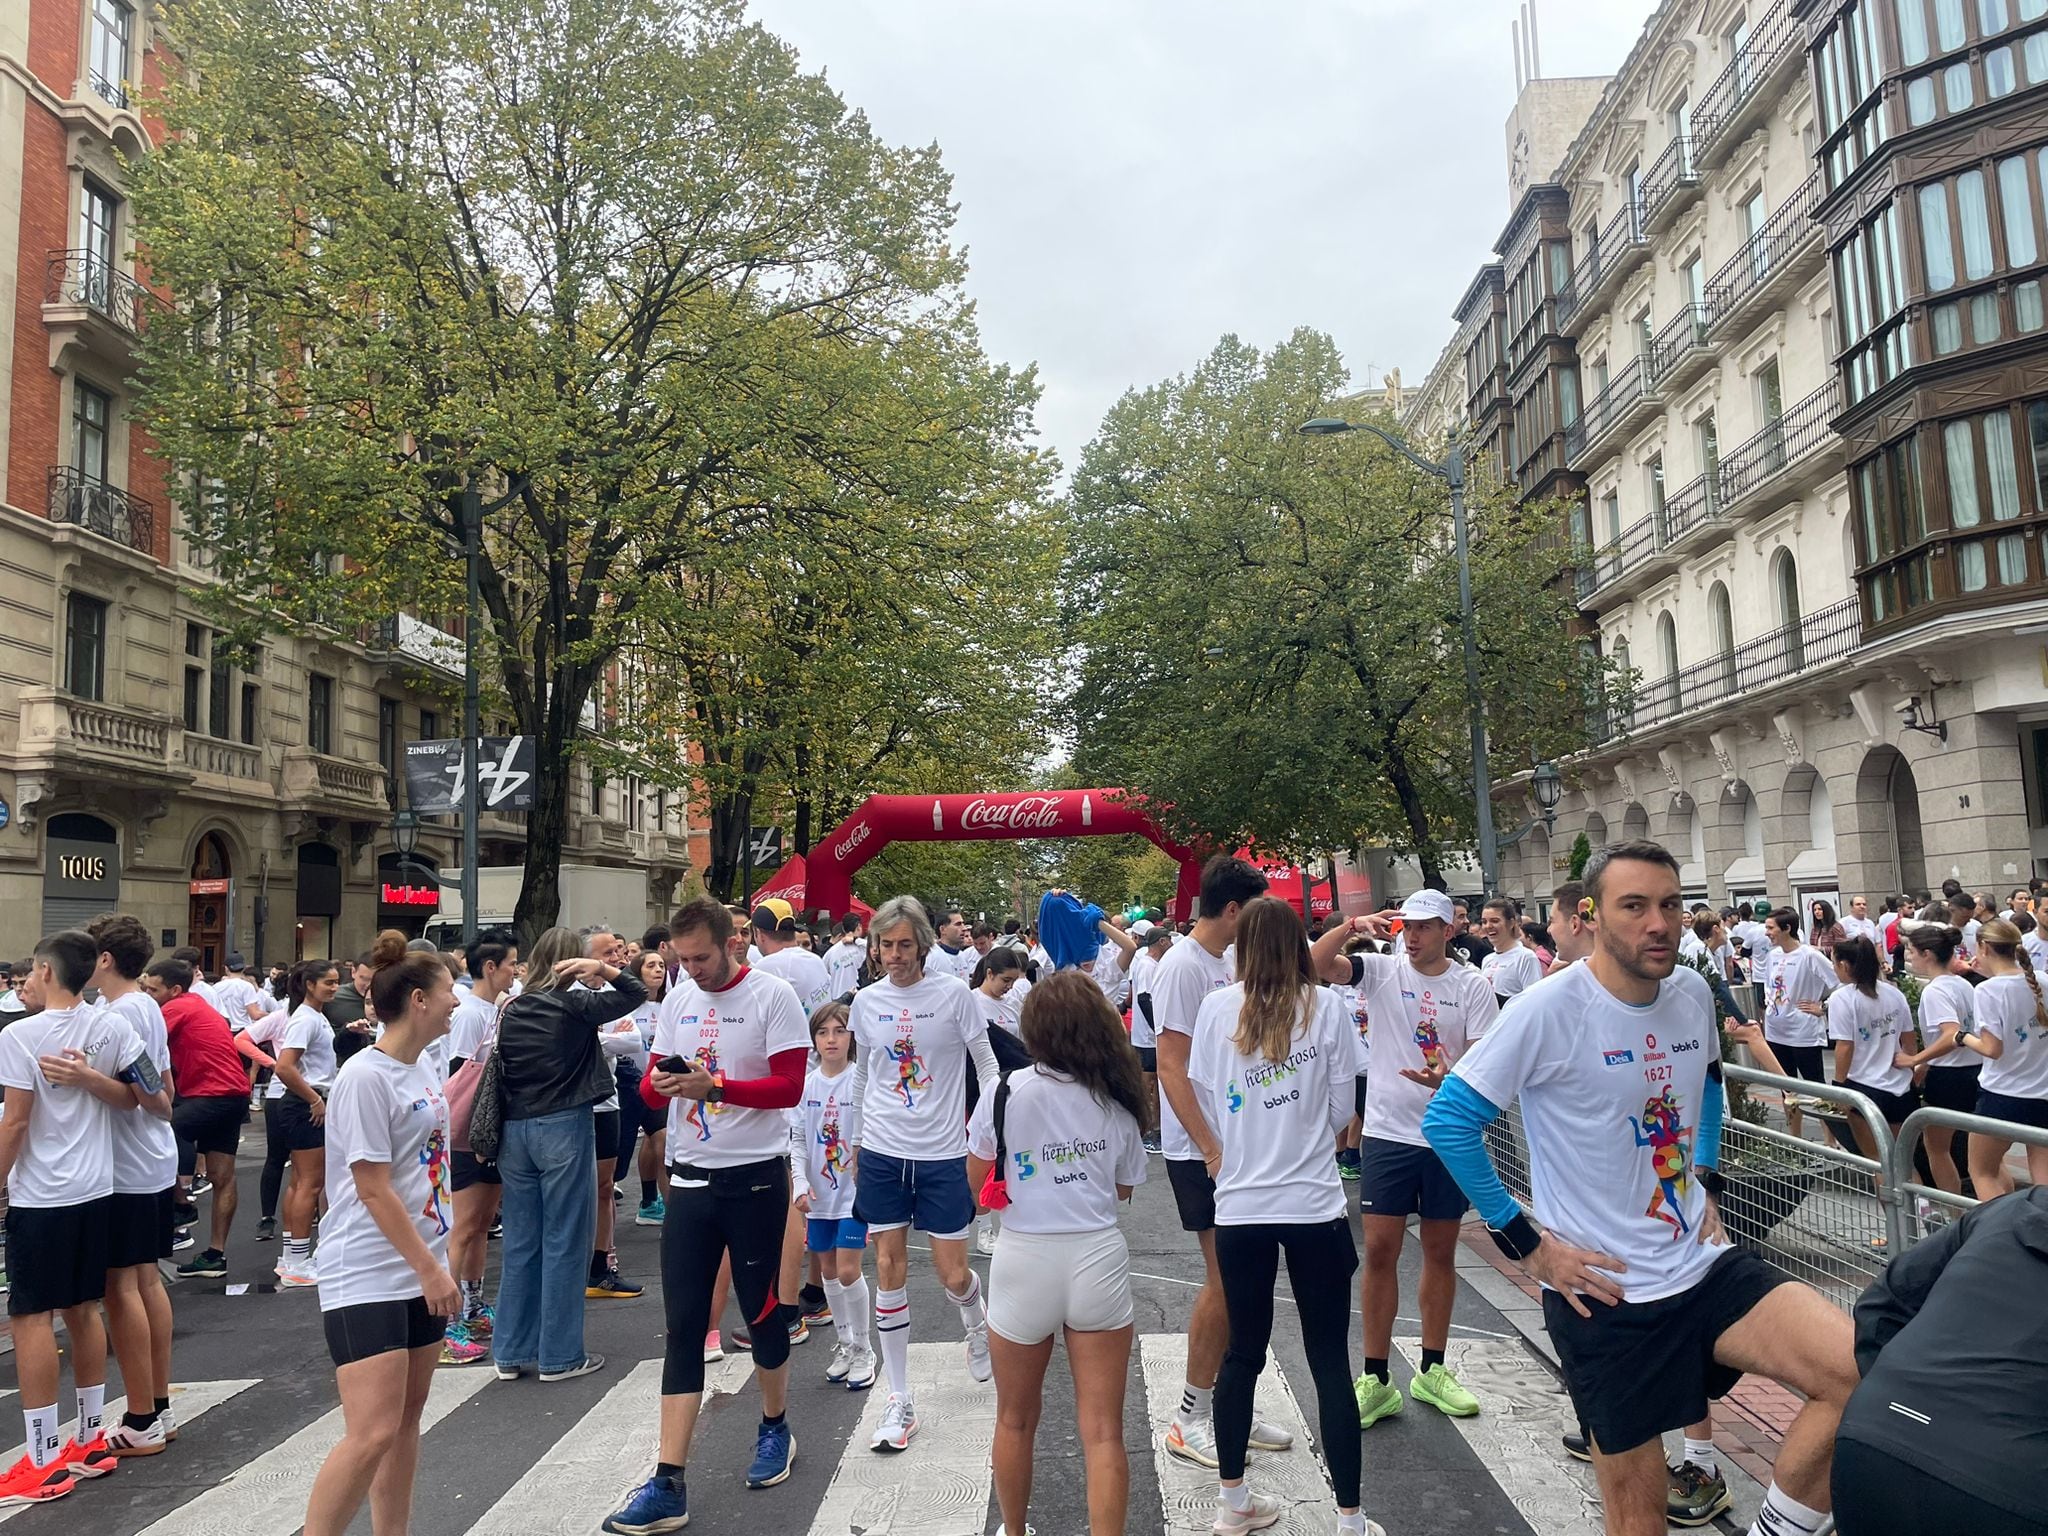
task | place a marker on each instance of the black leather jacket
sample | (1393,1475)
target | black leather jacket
(548,1051)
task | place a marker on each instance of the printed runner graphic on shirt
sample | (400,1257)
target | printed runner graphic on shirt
(833,1163)
(1663,1130)
(912,1076)
(434,1158)
(700,1111)
(1426,1037)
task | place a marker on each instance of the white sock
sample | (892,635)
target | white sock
(298,1252)
(1194,1403)
(43,1444)
(1351,1523)
(835,1303)
(973,1314)
(1238,1498)
(1783,1515)
(1701,1454)
(92,1409)
(892,1322)
(857,1314)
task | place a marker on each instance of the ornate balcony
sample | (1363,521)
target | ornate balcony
(1627,399)
(1611,254)
(1680,353)
(211,757)
(1670,183)
(74,497)
(1748,86)
(1787,455)
(90,305)
(1772,261)
(90,739)
(333,786)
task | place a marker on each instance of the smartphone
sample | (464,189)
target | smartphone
(676,1064)
(142,1073)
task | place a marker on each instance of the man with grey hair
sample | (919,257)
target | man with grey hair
(918,1032)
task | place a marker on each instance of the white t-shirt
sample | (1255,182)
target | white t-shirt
(264,1031)
(1511,971)
(1185,978)
(382,1111)
(1275,1120)
(1947,1001)
(1755,942)
(1111,974)
(915,1051)
(1611,1097)
(1352,1001)
(993,1012)
(1864,928)
(67,1158)
(1874,1025)
(2006,1012)
(1799,975)
(475,1022)
(824,1128)
(843,962)
(734,1032)
(145,1150)
(945,962)
(2036,946)
(1691,946)
(1012,1004)
(1143,969)
(235,994)
(803,971)
(201,987)
(1970,932)
(1068,1152)
(307,1029)
(1422,1019)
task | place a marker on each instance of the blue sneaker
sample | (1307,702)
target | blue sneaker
(774,1455)
(650,1213)
(656,1507)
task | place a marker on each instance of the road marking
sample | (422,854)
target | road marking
(1288,1298)
(609,1453)
(1188,1493)
(938,1487)
(267,1497)
(190,1401)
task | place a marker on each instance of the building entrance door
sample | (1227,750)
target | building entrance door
(211,902)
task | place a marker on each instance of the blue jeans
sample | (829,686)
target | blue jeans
(549,1165)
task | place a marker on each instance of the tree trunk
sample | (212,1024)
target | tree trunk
(1421,844)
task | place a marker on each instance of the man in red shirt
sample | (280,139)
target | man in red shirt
(213,1098)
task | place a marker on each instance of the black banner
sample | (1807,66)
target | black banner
(434,775)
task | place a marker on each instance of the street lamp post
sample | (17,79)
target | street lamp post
(1452,472)
(470,512)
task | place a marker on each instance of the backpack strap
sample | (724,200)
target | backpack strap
(1002,1103)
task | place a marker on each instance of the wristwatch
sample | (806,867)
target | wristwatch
(715,1094)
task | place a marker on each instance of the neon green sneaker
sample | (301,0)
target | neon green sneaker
(1376,1400)
(1441,1390)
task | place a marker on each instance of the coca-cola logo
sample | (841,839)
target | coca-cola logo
(1031,813)
(854,839)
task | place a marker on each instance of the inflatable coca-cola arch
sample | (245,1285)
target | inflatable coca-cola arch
(885,819)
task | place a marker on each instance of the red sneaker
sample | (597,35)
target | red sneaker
(93,1459)
(27,1483)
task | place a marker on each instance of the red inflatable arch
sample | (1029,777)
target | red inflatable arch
(885,819)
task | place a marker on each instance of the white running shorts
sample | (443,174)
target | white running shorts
(1042,1282)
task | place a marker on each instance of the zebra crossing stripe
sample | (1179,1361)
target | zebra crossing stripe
(940,1486)
(188,1401)
(267,1497)
(610,1452)
(1188,1493)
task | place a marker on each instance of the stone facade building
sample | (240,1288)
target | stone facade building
(233,807)
(1773,328)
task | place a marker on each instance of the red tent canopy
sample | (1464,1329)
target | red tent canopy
(790,883)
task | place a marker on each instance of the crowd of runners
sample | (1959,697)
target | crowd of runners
(794,1103)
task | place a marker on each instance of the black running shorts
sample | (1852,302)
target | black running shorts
(56,1256)
(1194,1192)
(140,1228)
(372,1328)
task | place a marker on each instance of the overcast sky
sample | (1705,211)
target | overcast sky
(1138,177)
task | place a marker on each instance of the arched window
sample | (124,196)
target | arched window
(1785,592)
(1721,627)
(1666,694)
(1626,716)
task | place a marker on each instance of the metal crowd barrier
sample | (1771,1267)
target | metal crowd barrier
(1941,1206)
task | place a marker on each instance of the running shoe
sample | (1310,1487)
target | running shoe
(1269,1437)
(978,1363)
(860,1371)
(1348,1172)
(92,1459)
(582,1367)
(1194,1442)
(738,1337)
(985,1235)
(182,1241)
(497,1231)
(458,1347)
(899,1424)
(1261,1512)
(509,1372)
(1376,1400)
(714,1350)
(1152,1144)
(611,1284)
(150,1440)
(206,1265)
(1696,1496)
(483,1323)
(266,1230)
(201,1185)
(167,1421)
(1443,1392)
(817,1311)
(3,1282)
(774,1455)
(290,1279)
(655,1508)
(841,1362)
(183,1215)
(650,1213)
(27,1483)
(799,1330)
(1577,1446)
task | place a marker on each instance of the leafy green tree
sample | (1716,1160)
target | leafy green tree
(616,266)
(1582,853)
(1268,624)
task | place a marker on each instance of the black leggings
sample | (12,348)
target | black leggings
(1321,1259)
(1876,1494)
(277,1152)
(716,1210)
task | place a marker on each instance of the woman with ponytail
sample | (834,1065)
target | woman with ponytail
(298,1095)
(1946,1073)
(2011,1034)
(385,1289)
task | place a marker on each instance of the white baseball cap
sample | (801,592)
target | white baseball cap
(1424,905)
(1141,927)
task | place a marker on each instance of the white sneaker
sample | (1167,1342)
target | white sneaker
(289,1279)
(860,1370)
(841,1362)
(985,1235)
(123,1441)
(1269,1437)
(167,1421)
(899,1424)
(1194,1442)
(979,1366)
(1264,1511)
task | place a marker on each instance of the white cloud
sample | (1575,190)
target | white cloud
(1137,177)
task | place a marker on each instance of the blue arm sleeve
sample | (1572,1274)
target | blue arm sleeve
(1706,1146)
(1455,1126)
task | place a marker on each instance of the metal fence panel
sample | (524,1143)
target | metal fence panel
(1923,1207)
